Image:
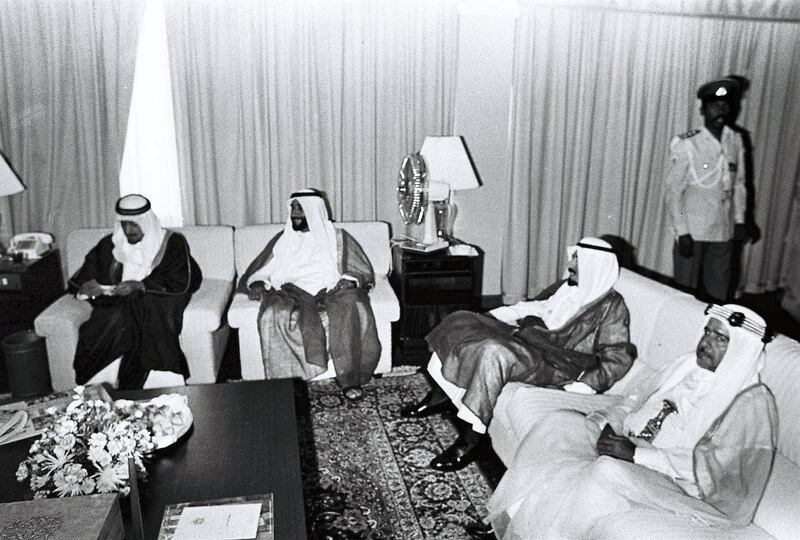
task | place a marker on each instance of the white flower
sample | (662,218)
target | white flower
(56,459)
(67,441)
(114,447)
(66,425)
(22,471)
(98,439)
(98,456)
(112,478)
(69,480)
(39,481)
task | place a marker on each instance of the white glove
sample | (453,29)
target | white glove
(579,388)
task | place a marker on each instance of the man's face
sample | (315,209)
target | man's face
(712,345)
(132,231)
(572,269)
(716,113)
(299,222)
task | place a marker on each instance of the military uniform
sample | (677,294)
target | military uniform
(706,196)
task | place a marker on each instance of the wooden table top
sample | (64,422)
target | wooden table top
(243,441)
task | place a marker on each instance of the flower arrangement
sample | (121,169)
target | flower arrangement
(85,449)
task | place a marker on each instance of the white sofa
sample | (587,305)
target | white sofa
(664,322)
(205,331)
(373,236)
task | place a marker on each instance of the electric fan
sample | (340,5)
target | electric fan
(415,196)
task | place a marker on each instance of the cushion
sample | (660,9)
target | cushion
(777,512)
(644,298)
(780,374)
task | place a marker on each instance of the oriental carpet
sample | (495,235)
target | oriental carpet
(365,471)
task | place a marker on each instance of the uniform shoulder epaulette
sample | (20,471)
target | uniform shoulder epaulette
(688,134)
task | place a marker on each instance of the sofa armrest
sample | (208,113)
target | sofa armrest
(65,315)
(207,307)
(383,299)
(243,311)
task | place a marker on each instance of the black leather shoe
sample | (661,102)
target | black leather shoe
(426,408)
(480,530)
(458,455)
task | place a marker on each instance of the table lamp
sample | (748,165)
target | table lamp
(10,184)
(448,162)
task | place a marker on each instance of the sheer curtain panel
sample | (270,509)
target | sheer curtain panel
(599,93)
(273,95)
(65,80)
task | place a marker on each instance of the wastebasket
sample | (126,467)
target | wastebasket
(26,364)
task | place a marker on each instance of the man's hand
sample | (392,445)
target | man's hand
(126,288)
(578,387)
(740,233)
(616,446)
(346,284)
(255,290)
(753,231)
(685,245)
(90,288)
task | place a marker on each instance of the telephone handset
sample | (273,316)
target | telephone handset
(32,245)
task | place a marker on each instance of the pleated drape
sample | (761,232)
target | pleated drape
(271,96)
(598,95)
(65,79)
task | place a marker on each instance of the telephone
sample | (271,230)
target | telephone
(32,245)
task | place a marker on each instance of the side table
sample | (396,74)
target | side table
(26,288)
(429,287)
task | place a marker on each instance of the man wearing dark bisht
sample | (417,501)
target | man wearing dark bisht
(574,336)
(312,280)
(139,280)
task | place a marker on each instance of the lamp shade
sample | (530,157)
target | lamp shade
(10,184)
(447,160)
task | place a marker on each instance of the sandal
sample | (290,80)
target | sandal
(353,393)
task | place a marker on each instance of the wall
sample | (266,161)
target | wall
(483,93)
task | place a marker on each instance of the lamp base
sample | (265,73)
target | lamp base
(445,213)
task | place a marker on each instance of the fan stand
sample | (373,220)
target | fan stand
(430,237)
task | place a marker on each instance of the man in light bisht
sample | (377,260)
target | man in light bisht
(574,336)
(312,280)
(691,445)
(139,280)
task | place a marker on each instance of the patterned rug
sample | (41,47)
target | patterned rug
(365,471)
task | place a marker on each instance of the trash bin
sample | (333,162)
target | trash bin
(26,364)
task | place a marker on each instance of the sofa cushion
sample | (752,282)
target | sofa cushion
(778,512)
(644,522)
(212,248)
(79,243)
(781,374)
(644,298)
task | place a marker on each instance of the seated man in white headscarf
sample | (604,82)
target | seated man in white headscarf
(574,336)
(691,445)
(139,280)
(312,281)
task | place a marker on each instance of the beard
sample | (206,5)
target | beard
(300,224)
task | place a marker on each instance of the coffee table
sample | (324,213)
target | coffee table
(243,442)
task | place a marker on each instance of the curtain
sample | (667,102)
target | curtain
(65,77)
(598,95)
(150,160)
(272,96)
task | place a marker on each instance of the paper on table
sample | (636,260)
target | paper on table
(225,522)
